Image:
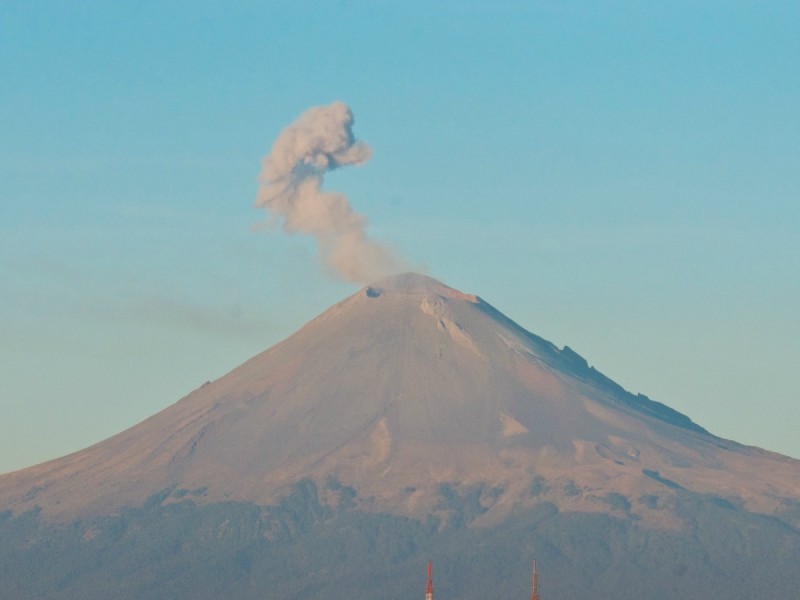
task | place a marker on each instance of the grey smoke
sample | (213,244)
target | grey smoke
(290,189)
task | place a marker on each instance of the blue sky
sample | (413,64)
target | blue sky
(619,177)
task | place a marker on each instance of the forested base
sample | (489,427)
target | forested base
(303,549)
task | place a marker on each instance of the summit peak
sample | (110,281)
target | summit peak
(415,284)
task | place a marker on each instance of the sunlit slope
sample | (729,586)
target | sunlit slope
(400,389)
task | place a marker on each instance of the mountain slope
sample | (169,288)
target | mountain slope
(404,386)
(408,421)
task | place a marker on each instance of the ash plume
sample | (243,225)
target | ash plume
(290,189)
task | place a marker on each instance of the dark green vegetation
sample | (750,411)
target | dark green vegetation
(172,548)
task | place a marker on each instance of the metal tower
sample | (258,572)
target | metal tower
(535,594)
(429,587)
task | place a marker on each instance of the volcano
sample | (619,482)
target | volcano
(408,420)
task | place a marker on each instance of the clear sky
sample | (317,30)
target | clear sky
(619,177)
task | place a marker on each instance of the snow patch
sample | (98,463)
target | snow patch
(432,307)
(511,426)
(436,308)
(381,441)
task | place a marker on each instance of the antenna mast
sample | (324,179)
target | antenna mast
(535,594)
(429,587)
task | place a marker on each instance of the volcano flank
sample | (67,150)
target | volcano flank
(408,420)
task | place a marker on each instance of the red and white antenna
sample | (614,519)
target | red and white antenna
(535,594)
(429,587)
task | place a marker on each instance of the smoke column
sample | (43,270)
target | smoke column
(290,189)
